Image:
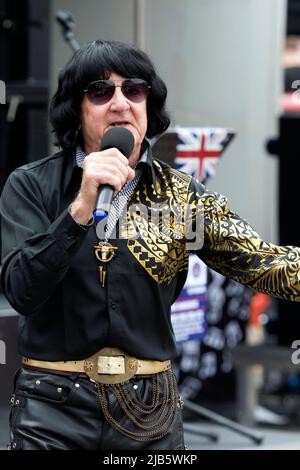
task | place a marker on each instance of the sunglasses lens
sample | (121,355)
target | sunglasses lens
(100,92)
(135,90)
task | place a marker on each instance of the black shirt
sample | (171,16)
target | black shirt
(50,272)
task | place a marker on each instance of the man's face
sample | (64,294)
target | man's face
(97,119)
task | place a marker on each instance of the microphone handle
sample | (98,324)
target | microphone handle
(103,202)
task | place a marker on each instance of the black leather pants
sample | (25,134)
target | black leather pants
(53,411)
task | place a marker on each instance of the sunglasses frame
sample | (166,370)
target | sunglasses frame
(134,81)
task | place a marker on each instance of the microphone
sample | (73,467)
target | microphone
(122,139)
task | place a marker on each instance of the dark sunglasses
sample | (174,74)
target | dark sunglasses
(102,91)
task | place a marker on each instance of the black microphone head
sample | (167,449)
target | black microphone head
(120,138)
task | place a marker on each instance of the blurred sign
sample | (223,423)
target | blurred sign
(188,312)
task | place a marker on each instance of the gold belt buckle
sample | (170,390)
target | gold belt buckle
(110,366)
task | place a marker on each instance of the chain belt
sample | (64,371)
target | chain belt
(111,369)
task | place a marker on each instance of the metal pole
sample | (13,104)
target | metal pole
(243,430)
(140,23)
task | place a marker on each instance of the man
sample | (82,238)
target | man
(87,313)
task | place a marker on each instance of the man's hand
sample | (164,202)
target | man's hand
(99,168)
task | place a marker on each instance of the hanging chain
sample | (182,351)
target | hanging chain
(153,428)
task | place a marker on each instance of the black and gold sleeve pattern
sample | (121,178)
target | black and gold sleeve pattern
(234,249)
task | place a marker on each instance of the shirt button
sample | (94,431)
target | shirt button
(114,306)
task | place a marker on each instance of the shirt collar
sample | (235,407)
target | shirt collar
(146,161)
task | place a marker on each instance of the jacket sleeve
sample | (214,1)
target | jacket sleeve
(36,253)
(232,248)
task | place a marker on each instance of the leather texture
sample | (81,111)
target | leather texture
(52,411)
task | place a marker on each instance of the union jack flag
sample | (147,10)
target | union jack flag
(199,150)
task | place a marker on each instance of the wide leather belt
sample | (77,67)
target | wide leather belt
(109,365)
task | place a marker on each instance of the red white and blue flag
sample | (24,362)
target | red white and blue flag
(199,149)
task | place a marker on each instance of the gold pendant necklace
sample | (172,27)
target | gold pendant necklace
(104,253)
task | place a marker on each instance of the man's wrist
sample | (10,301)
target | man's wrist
(81,218)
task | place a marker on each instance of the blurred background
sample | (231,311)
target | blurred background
(227,64)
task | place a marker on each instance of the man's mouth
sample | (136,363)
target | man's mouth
(120,123)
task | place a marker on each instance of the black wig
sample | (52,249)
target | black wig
(96,61)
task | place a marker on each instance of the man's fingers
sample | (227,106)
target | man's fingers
(131,174)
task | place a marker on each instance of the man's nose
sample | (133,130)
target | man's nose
(119,101)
